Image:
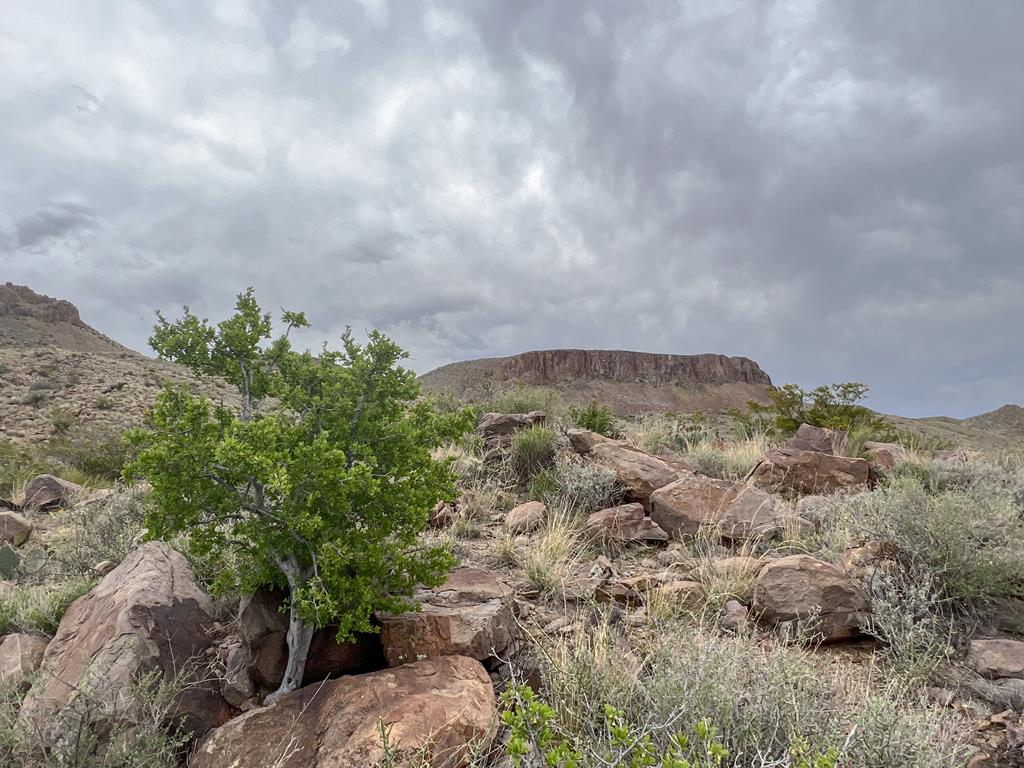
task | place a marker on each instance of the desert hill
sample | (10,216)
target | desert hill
(628,382)
(56,370)
(1001,429)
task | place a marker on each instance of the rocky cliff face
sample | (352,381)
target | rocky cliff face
(20,301)
(557,366)
(628,382)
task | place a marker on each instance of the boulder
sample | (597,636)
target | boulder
(45,492)
(684,592)
(14,529)
(820,439)
(20,655)
(740,511)
(495,426)
(626,522)
(469,615)
(443,705)
(146,616)
(263,628)
(796,472)
(734,616)
(997,659)
(639,473)
(817,595)
(526,517)
(583,440)
(885,455)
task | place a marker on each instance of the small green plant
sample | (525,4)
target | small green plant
(36,397)
(595,417)
(524,399)
(62,420)
(104,403)
(532,449)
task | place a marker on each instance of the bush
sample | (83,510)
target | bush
(596,418)
(970,541)
(836,406)
(62,420)
(39,608)
(523,399)
(532,449)
(35,397)
(771,705)
(97,451)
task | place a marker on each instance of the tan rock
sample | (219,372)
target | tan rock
(14,529)
(818,595)
(469,615)
(526,517)
(820,439)
(442,705)
(44,492)
(626,522)
(638,472)
(885,455)
(734,616)
(686,592)
(739,511)
(20,655)
(583,440)
(500,425)
(147,615)
(996,659)
(795,472)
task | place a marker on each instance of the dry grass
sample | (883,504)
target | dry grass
(556,555)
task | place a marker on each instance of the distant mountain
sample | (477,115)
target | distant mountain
(628,382)
(1002,428)
(55,368)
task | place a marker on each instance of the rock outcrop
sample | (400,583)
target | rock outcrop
(146,616)
(811,597)
(442,705)
(14,529)
(526,517)
(639,473)
(625,523)
(20,655)
(469,615)
(997,659)
(793,472)
(738,511)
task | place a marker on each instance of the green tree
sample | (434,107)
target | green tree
(836,406)
(319,483)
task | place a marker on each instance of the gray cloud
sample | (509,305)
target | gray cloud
(833,189)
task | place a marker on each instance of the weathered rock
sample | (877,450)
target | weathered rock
(626,522)
(237,687)
(814,508)
(734,616)
(640,473)
(44,492)
(818,595)
(583,440)
(739,511)
(885,455)
(469,615)
(501,425)
(997,659)
(263,628)
(442,514)
(20,655)
(146,616)
(796,472)
(14,528)
(441,704)
(526,517)
(820,439)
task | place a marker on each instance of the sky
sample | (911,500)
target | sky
(833,189)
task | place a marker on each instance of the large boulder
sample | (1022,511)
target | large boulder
(639,473)
(583,440)
(885,455)
(14,529)
(820,439)
(497,426)
(441,705)
(148,616)
(810,595)
(20,655)
(737,510)
(997,659)
(45,492)
(469,615)
(526,517)
(263,626)
(626,522)
(793,471)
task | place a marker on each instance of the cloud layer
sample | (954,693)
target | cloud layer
(833,189)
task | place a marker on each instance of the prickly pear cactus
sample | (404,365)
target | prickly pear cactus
(9,561)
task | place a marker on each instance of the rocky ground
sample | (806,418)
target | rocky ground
(783,594)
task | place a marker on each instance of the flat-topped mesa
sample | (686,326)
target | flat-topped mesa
(22,301)
(556,366)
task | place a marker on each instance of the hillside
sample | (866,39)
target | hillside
(628,382)
(1001,429)
(54,369)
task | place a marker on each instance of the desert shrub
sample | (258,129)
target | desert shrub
(101,452)
(764,700)
(595,417)
(39,608)
(654,433)
(17,464)
(556,555)
(524,399)
(580,485)
(836,406)
(36,397)
(532,449)
(104,403)
(62,420)
(970,541)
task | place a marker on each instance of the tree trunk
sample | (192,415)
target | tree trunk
(299,637)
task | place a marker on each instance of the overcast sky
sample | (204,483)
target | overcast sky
(833,189)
